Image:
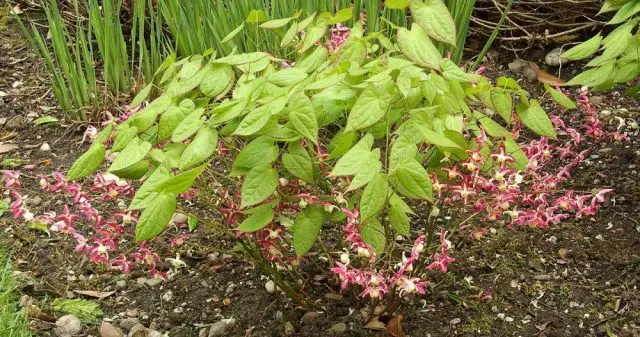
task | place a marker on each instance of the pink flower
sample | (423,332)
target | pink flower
(441,261)
(375,286)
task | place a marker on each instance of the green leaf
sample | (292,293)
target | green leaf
(192,222)
(88,162)
(260,151)
(313,34)
(536,119)
(399,220)
(373,234)
(170,120)
(306,228)
(260,217)
(243,59)
(595,76)
(374,197)
(341,16)
(396,4)
(254,121)
(200,149)
(303,117)
(86,311)
(625,12)
(144,119)
(152,184)
(402,149)
(298,162)
(452,72)
(513,149)
(584,49)
(493,129)
(133,153)
(416,45)
(502,103)
(45,120)
(370,107)
(413,181)
(314,60)
(507,83)
(559,97)
(434,17)
(289,35)
(396,201)
(233,33)
(369,169)
(256,16)
(258,185)
(104,135)
(275,24)
(141,96)
(341,143)
(125,133)
(287,76)
(352,161)
(181,182)
(155,217)
(188,127)
(439,139)
(216,80)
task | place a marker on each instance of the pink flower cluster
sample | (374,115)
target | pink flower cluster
(592,123)
(106,233)
(339,35)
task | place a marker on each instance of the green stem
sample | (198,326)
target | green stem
(493,36)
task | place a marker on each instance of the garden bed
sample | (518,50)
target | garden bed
(578,278)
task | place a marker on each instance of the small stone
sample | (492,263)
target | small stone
(168,296)
(3,121)
(108,330)
(270,286)
(338,328)
(121,284)
(153,282)
(543,277)
(132,313)
(26,301)
(455,321)
(553,58)
(222,327)
(508,319)
(128,323)
(179,219)
(226,301)
(289,329)
(204,332)
(45,147)
(135,331)
(16,122)
(501,316)
(35,201)
(68,325)
(309,317)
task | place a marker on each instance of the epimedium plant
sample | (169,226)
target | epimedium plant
(619,61)
(342,141)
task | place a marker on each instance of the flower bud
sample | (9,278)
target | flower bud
(344,258)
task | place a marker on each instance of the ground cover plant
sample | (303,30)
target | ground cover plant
(13,323)
(330,166)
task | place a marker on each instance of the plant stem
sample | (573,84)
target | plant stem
(493,36)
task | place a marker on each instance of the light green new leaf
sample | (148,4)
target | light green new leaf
(373,234)
(287,76)
(254,121)
(399,220)
(258,185)
(396,4)
(594,76)
(584,49)
(104,135)
(368,170)
(374,197)
(260,151)
(625,12)
(141,96)
(306,228)
(216,79)
(452,72)
(155,217)
(341,143)
(181,182)
(260,217)
(493,129)
(502,103)
(125,133)
(152,184)
(370,107)
(243,59)
(438,139)
(353,160)
(313,34)
(314,60)
(559,97)
(289,35)
(413,181)
(303,117)
(434,17)
(88,162)
(133,153)
(520,158)
(416,45)
(45,120)
(170,120)
(188,127)
(536,119)
(256,16)
(341,16)
(200,149)
(275,24)
(233,33)
(298,162)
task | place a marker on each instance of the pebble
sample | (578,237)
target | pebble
(270,286)
(289,329)
(132,313)
(108,330)
(338,328)
(135,329)
(153,282)
(553,58)
(543,277)
(45,147)
(222,327)
(68,325)
(121,284)
(35,201)
(128,323)
(168,296)
(455,321)
(508,319)
(16,122)
(3,121)
(204,332)
(309,317)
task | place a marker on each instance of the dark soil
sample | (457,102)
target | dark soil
(579,278)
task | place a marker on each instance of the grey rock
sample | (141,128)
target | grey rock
(204,332)
(108,330)
(338,328)
(154,282)
(35,201)
(121,284)
(127,324)
(309,317)
(135,329)
(289,329)
(16,122)
(3,121)
(222,327)
(553,58)
(68,325)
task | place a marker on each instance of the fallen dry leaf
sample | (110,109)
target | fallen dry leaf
(394,327)
(375,324)
(97,294)
(545,77)
(5,148)
(8,136)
